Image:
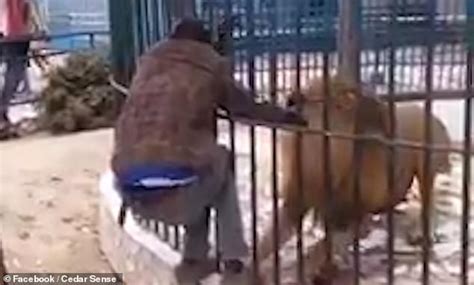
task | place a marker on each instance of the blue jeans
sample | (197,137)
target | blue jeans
(16,61)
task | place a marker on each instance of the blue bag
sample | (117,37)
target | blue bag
(144,182)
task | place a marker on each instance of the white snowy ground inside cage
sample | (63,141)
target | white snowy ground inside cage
(445,266)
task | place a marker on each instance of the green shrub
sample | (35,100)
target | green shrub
(78,96)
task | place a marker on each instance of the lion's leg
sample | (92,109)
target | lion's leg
(287,223)
(288,217)
(320,268)
(426,184)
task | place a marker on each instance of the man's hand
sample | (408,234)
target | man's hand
(239,102)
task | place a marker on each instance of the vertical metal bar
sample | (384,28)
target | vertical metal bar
(327,158)
(273,97)
(427,195)
(254,202)
(391,149)
(349,55)
(185,12)
(151,22)
(300,244)
(166,235)
(121,37)
(250,59)
(145,23)
(165,17)
(177,243)
(351,67)
(155,227)
(349,39)
(357,158)
(154,25)
(467,167)
(135,25)
(160,18)
(228,49)
(210,15)
(92,40)
(141,20)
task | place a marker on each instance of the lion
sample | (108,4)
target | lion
(350,111)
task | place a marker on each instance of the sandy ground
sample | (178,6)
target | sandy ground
(49,202)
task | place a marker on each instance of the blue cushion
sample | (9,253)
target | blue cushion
(156,177)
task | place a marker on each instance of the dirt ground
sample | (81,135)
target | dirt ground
(49,202)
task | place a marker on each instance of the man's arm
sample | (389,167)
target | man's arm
(239,102)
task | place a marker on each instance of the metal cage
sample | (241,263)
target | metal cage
(406,51)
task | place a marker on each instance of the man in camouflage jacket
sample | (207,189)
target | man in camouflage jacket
(170,117)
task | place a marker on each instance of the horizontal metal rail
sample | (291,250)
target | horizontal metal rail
(421,96)
(48,37)
(344,136)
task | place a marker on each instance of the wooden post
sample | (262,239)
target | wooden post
(349,38)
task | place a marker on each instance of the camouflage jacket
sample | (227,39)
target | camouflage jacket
(170,115)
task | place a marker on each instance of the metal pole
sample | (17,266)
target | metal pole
(121,37)
(349,34)
(468,145)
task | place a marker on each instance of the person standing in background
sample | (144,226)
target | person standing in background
(19,21)
(15,54)
(37,26)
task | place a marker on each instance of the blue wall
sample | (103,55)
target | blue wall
(65,16)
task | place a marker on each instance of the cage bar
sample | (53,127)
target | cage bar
(467,167)
(428,138)
(273,30)
(391,149)
(250,61)
(299,182)
(328,227)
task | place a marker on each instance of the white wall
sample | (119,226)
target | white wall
(453,115)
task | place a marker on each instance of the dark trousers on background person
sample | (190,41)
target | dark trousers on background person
(16,60)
